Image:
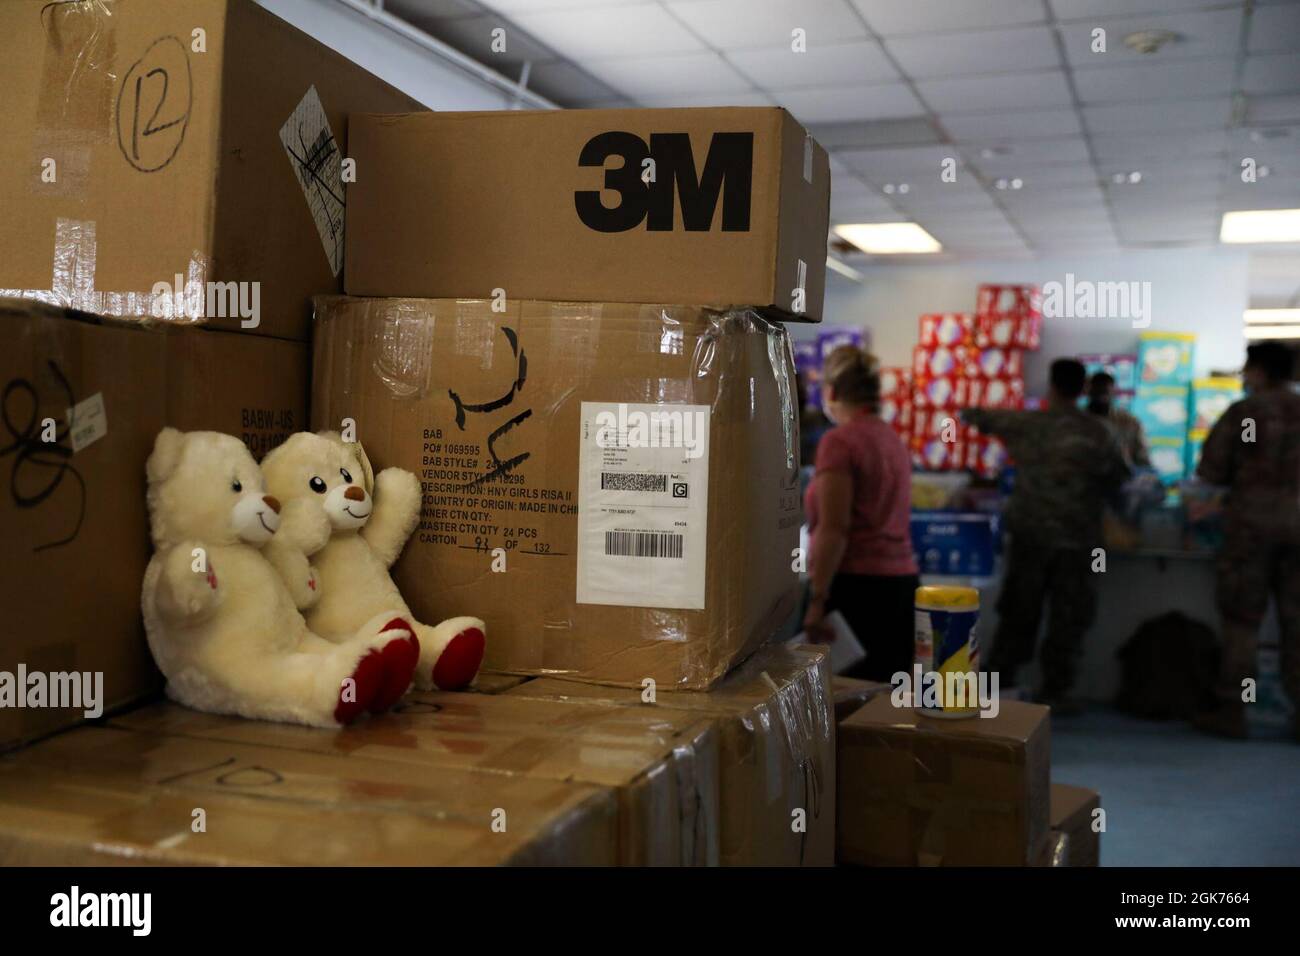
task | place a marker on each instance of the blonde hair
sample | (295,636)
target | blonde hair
(854,374)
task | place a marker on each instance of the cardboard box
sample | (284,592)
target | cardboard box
(1071,815)
(720,207)
(1210,398)
(491,683)
(105,796)
(612,564)
(661,767)
(189,144)
(917,790)
(73,517)
(1162,410)
(776,739)
(851,694)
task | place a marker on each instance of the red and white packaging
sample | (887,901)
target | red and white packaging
(946,329)
(993,362)
(1003,392)
(1029,332)
(897,413)
(895,383)
(1008,316)
(941,360)
(987,457)
(942,391)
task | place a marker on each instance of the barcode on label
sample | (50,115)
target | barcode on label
(635,482)
(644,544)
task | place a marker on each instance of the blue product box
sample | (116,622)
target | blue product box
(1210,399)
(1165,358)
(830,341)
(1168,458)
(1162,410)
(1122,368)
(956,542)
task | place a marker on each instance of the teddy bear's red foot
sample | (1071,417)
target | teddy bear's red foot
(367,682)
(401,655)
(459,660)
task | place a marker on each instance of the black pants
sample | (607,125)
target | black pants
(881,611)
(1063,579)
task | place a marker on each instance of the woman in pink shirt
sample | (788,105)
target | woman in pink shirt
(859,516)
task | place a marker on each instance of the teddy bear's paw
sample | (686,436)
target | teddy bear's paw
(460,660)
(400,655)
(193,581)
(356,693)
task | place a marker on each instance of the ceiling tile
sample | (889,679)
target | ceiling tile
(660,75)
(1271,73)
(1014,125)
(875,134)
(1275,28)
(1039,177)
(909,163)
(1206,33)
(690,100)
(844,64)
(1133,147)
(1009,91)
(892,17)
(1273,109)
(1011,157)
(567,85)
(1133,82)
(473,36)
(736,24)
(1168,115)
(593,33)
(1092,9)
(890,101)
(952,54)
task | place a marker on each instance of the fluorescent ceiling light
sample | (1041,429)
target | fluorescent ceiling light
(1273,331)
(1261,225)
(888,238)
(1272,316)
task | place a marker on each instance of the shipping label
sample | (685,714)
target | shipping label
(643,491)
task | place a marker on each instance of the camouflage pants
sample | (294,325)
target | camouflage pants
(1250,570)
(1063,578)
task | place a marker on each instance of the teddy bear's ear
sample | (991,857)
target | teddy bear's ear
(166,455)
(354,447)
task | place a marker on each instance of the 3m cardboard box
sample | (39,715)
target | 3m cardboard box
(72,513)
(720,207)
(190,144)
(612,488)
(105,796)
(917,790)
(1071,814)
(776,739)
(662,767)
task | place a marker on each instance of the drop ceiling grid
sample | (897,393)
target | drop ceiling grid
(1098,106)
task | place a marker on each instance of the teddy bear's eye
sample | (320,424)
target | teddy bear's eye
(346,476)
(236,487)
(317,485)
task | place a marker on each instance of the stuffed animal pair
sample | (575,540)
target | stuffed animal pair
(225,627)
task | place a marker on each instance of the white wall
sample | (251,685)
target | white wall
(1201,291)
(438,84)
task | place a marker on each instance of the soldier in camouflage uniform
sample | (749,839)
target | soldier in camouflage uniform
(1254,450)
(1067,465)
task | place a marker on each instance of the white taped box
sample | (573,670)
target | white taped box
(668,557)
(83,400)
(174,160)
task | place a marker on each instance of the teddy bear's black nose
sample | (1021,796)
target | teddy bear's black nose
(272,503)
(355,493)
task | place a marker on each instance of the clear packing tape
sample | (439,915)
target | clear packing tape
(72,285)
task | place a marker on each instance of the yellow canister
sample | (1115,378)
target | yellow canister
(947,648)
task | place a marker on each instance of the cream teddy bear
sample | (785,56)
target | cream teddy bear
(221,623)
(321,477)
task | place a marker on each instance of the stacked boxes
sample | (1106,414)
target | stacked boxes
(1209,399)
(776,736)
(1121,367)
(1073,816)
(970,360)
(211,216)
(1161,402)
(916,791)
(896,409)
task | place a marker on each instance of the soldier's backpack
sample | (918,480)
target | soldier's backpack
(1169,666)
